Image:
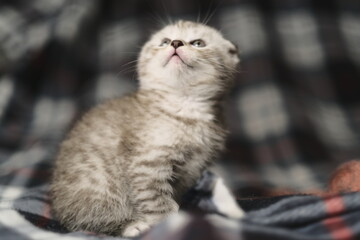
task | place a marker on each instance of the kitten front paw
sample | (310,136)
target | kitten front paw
(225,202)
(135,229)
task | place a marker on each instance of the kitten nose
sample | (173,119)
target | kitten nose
(177,43)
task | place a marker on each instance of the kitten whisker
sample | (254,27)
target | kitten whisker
(198,19)
(124,71)
(159,20)
(130,62)
(127,67)
(128,52)
(168,18)
(210,13)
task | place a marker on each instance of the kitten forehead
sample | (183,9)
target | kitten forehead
(187,29)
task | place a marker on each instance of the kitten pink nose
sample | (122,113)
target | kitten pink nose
(177,43)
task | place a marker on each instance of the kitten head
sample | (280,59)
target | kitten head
(187,56)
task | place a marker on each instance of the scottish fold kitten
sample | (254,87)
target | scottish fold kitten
(127,162)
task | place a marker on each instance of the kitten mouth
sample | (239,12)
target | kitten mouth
(176,55)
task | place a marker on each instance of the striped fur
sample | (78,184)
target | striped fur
(126,163)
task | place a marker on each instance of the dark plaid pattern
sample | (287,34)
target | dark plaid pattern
(294,112)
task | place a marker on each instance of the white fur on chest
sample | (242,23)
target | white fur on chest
(182,118)
(188,107)
(170,132)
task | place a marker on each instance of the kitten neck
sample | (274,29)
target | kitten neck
(180,104)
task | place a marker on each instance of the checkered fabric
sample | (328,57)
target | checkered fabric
(293,114)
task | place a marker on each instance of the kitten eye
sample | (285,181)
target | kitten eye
(198,43)
(165,42)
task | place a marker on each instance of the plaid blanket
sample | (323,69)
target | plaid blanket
(293,114)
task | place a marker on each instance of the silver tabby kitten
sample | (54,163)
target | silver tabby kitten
(126,163)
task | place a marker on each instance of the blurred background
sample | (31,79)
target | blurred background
(293,114)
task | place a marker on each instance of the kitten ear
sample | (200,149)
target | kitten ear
(233,51)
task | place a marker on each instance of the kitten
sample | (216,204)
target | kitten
(127,162)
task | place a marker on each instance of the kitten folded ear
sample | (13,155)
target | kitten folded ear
(234,52)
(233,49)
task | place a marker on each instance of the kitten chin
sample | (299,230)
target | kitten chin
(126,163)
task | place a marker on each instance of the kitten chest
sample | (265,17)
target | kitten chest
(187,139)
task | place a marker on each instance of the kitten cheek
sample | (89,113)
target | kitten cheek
(188,56)
(184,56)
(234,60)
